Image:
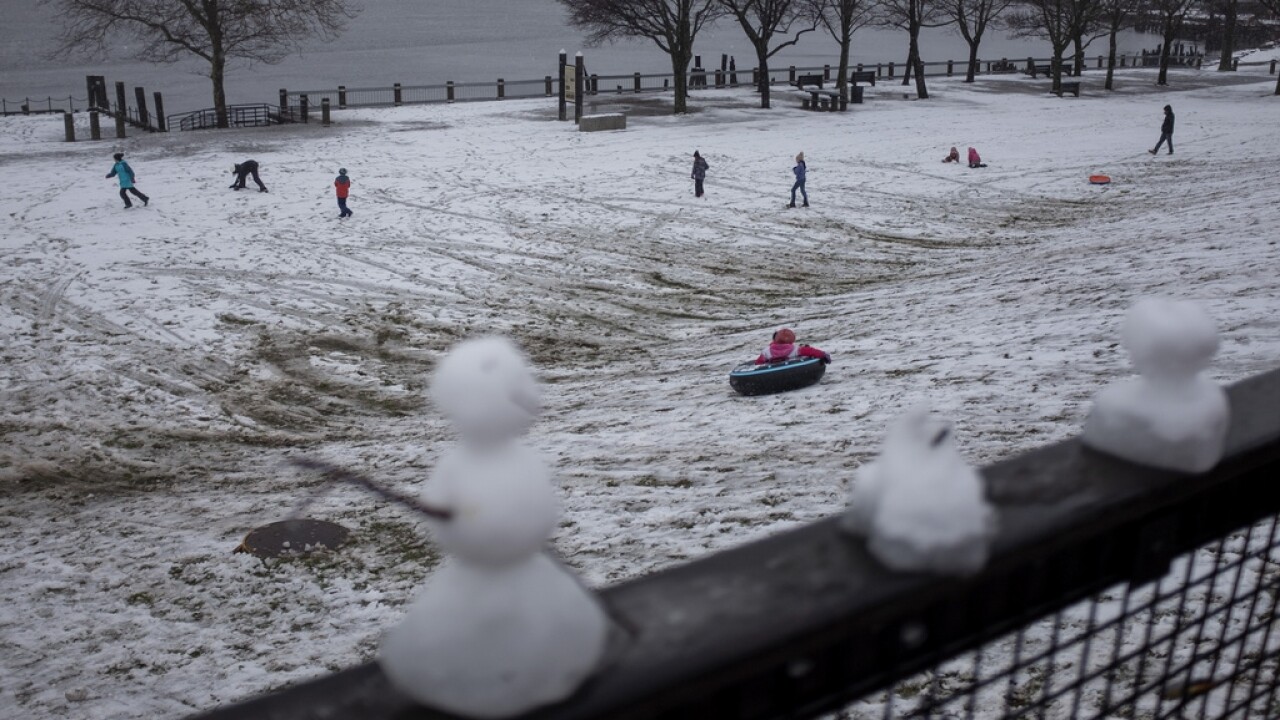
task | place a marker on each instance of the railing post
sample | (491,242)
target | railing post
(69,125)
(342,97)
(791,74)
(1235,64)
(949,68)
(1272,71)
(502,88)
(395,89)
(95,125)
(636,77)
(284,102)
(595,83)
(324,112)
(891,71)
(122,105)
(579,84)
(733,72)
(119,118)
(1099,62)
(160,119)
(1122,59)
(826,73)
(141,96)
(448,90)
(303,107)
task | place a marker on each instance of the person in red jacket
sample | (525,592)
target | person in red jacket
(342,185)
(784,347)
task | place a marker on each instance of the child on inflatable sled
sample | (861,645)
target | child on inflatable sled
(784,347)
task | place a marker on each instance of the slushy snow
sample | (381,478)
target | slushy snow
(1171,416)
(919,504)
(500,628)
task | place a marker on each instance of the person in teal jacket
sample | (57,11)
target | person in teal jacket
(122,171)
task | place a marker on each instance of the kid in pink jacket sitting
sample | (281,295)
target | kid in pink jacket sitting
(784,347)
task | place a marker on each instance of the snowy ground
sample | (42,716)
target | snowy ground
(161,363)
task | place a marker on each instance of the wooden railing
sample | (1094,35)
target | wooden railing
(807,621)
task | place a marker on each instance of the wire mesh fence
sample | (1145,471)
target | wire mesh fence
(1196,643)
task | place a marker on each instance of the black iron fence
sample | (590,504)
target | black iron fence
(398,94)
(251,115)
(1113,591)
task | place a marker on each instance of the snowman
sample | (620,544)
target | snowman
(499,628)
(919,504)
(1171,416)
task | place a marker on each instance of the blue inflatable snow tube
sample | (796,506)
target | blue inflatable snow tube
(752,379)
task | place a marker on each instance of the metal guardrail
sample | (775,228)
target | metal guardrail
(807,621)
(250,115)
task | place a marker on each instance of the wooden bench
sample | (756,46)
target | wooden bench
(1047,70)
(802,81)
(1067,87)
(814,98)
(867,76)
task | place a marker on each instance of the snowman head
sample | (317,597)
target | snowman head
(485,387)
(1169,338)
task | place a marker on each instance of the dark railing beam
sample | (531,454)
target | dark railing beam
(806,620)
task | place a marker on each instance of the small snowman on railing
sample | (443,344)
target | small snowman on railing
(500,628)
(1171,416)
(920,506)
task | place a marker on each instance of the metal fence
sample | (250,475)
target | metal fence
(1113,591)
(397,94)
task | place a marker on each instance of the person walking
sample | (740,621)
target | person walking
(127,177)
(799,171)
(699,173)
(1166,131)
(342,185)
(244,170)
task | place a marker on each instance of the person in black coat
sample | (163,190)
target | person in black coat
(244,170)
(1166,131)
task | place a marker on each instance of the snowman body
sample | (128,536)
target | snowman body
(921,507)
(1171,416)
(500,628)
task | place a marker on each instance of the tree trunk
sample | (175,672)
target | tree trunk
(1228,36)
(680,68)
(1170,29)
(217,71)
(762,59)
(973,62)
(1111,59)
(922,92)
(842,78)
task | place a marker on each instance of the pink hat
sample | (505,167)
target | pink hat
(784,336)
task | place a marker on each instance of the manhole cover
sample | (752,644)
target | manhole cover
(293,537)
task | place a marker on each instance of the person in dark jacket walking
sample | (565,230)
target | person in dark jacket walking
(1166,131)
(125,173)
(244,170)
(342,186)
(699,173)
(799,171)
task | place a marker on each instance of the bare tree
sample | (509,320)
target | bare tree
(671,24)
(842,18)
(214,30)
(1116,14)
(913,16)
(1061,22)
(972,18)
(1171,13)
(1229,16)
(761,20)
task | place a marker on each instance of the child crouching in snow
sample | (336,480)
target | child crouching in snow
(784,347)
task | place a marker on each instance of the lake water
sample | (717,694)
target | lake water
(426,43)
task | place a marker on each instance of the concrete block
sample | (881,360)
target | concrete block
(610,121)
